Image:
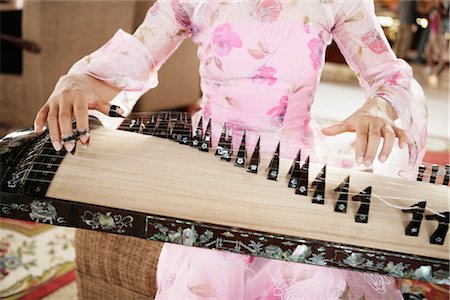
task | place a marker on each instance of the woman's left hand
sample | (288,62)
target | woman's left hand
(373,121)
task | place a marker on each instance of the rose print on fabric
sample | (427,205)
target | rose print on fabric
(373,40)
(181,15)
(393,78)
(265,75)
(316,46)
(224,39)
(267,10)
(278,112)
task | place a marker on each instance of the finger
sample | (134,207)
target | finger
(388,143)
(338,129)
(80,109)
(53,127)
(373,142)
(402,137)
(65,122)
(361,142)
(41,117)
(105,108)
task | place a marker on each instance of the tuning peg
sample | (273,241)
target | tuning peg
(198,134)
(319,183)
(295,172)
(274,165)
(163,125)
(446,175)
(186,135)
(227,150)
(242,154)
(150,125)
(417,211)
(221,141)
(362,215)
(255,159)
(177,132)
(434,171)
(206,142)
(342,202)
(438,236)
(422,169)
(302,188)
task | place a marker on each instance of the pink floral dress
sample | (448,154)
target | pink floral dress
(260,63)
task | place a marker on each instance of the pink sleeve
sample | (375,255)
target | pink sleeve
(361,40)
(131,62)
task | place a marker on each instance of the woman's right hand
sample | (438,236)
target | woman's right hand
(73,95)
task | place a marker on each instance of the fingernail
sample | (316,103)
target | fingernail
(359,160)
(85,143)
(382,158)
(367,162)
(73,150)
(57,145)
(403,145)
(70,146)
(84,138)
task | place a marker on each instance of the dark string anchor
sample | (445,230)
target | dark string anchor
(177,132)
(197,137)
(422,169)
(438,236)
(319,183)
(434,171)
(274,166)
(242,154)
(186,134)
(417,211)
(362,215)
(163,126)
(255,159)
(227,150)
(342,202)
(302,188)
(222,141)
(447,175)
(295,171)
(297,159)
(134,126)
(150,126)
(206,142)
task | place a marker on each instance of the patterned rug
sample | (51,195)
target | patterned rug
(35,259)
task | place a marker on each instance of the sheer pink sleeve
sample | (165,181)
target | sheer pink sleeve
(131,62)
(363,43)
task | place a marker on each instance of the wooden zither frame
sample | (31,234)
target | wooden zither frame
(149,180)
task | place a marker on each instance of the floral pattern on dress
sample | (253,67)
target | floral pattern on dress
(224,39)
(373,40)
(278,112)
(264,75)
(267,10)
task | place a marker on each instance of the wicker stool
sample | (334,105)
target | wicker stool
(111,266)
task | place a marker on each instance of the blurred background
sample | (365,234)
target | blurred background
(41,39)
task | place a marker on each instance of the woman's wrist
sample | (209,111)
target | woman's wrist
(381,105)
(104,90)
